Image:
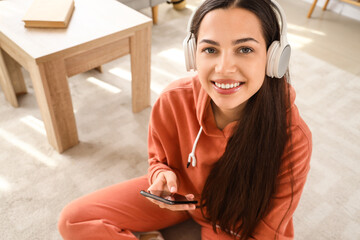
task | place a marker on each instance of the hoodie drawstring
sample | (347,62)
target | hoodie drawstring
(192,157)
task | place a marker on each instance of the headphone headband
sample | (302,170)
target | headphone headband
(281,14)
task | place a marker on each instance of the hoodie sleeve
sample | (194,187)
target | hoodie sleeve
(294,171)
(161,133)
(157,159)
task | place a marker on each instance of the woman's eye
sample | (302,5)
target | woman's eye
(209,50)
(245,50)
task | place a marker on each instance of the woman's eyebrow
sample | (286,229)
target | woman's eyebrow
(209,42)
(242,40)
(235,42)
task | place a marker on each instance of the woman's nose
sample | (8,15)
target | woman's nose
(225,64)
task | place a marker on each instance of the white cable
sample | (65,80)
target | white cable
(192,158)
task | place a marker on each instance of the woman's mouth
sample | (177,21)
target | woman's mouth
(227,86)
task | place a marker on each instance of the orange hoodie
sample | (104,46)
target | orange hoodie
(175,131)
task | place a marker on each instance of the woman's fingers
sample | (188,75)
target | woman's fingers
(173,207)
(190,197)
(171,181)
(166,181)
(177,207)
(158,184)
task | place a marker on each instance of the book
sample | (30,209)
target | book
(49,13)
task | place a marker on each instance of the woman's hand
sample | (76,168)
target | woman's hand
(167,181)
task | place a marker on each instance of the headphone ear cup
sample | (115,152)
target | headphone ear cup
(271,53)
(278,59)
(189,46)
(282,61)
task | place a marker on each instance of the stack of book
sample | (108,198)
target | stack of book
(49,13)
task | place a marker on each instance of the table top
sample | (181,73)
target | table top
(91,20)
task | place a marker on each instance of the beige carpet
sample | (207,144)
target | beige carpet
(36,182)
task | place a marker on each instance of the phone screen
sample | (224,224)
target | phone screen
(167,197)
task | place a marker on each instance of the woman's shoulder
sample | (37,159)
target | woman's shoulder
(297,123)
(298,149)
(181,91)
(182,84)
(176,97)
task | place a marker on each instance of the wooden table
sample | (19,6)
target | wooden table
(99,31)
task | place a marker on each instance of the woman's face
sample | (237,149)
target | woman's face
(231,57)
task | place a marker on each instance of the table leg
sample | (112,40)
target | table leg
(325,5)
(99,69)
(16,76)
(53,96)
(312,9)
(140,53)
(155,13)
(6,83)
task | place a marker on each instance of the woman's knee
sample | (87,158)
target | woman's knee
(65,217)
(71,214)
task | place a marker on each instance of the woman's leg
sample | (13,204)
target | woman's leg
(207,232)
(114,213)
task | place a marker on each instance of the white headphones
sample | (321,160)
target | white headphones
(278,54)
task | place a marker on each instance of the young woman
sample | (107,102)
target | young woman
(249,148)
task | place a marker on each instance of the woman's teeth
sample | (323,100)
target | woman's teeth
(227,85)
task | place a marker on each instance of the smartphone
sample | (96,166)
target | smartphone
(168,198)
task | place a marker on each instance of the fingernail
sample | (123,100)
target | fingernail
(172,189)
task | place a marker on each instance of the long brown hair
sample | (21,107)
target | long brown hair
(240,185)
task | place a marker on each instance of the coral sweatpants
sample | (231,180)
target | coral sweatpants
(117,211)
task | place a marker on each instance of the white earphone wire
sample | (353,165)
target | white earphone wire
(192,157)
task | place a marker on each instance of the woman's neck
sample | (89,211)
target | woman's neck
(225,116)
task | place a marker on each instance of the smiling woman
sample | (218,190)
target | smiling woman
(230,137)
(230,53)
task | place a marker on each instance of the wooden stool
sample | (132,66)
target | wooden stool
(313,6)
(352,2)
